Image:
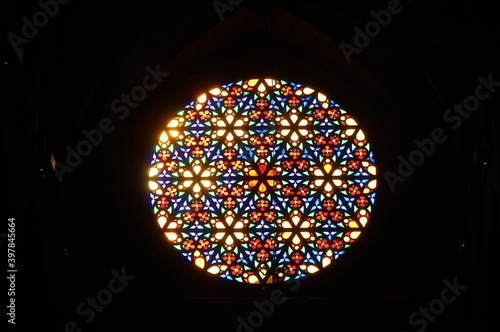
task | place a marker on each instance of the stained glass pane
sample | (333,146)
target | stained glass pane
(262,181)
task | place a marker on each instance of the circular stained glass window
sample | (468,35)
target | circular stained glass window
(262,181)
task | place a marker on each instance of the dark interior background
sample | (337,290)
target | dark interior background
(439,224)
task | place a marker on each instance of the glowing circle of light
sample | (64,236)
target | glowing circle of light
(262,181)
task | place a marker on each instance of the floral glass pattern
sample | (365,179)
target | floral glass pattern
(262,181)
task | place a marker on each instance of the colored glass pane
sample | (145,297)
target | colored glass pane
(262,180)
